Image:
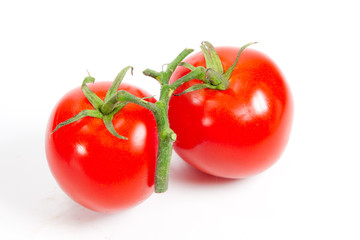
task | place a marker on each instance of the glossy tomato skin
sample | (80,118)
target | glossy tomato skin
(96,169)
(238,132)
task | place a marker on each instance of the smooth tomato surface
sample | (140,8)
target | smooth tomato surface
(93,167)
(238,132)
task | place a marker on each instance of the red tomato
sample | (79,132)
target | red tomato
(95,168)
(238,132)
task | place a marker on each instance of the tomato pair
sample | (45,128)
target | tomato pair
(232,133)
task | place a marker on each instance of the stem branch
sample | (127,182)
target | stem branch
(198,73)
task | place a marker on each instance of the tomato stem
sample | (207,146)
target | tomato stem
(166,135)
(197,73)
(212,77)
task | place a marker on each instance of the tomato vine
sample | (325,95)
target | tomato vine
(212,77)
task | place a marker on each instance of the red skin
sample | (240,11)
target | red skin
(96,169)
(238,132)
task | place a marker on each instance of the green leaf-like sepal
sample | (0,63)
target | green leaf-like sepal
(110,126)
(95,101)
(228,72)
(82,114)
(212,59)
(115,85)
(196,87)
(187,65)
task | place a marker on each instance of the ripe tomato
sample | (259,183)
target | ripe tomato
(238,132)
(95,168)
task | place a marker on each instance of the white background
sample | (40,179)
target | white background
(311,193)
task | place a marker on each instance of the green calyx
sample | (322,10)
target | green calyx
(213,76)
(104,110)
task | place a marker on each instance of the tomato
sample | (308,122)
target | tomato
(95,168)
(238,132)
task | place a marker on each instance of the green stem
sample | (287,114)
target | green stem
(153,74)
(212,78)
(171,67)
(166,137)
(198,73)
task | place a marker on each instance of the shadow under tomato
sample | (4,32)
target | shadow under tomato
(30,193)
(182,172)
(76,215)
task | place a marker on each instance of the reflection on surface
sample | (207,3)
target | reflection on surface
(138,137)
(80,149)
(259,103)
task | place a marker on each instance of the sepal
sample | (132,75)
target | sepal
(82,114)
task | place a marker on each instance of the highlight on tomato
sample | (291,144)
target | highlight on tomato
(237,132)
